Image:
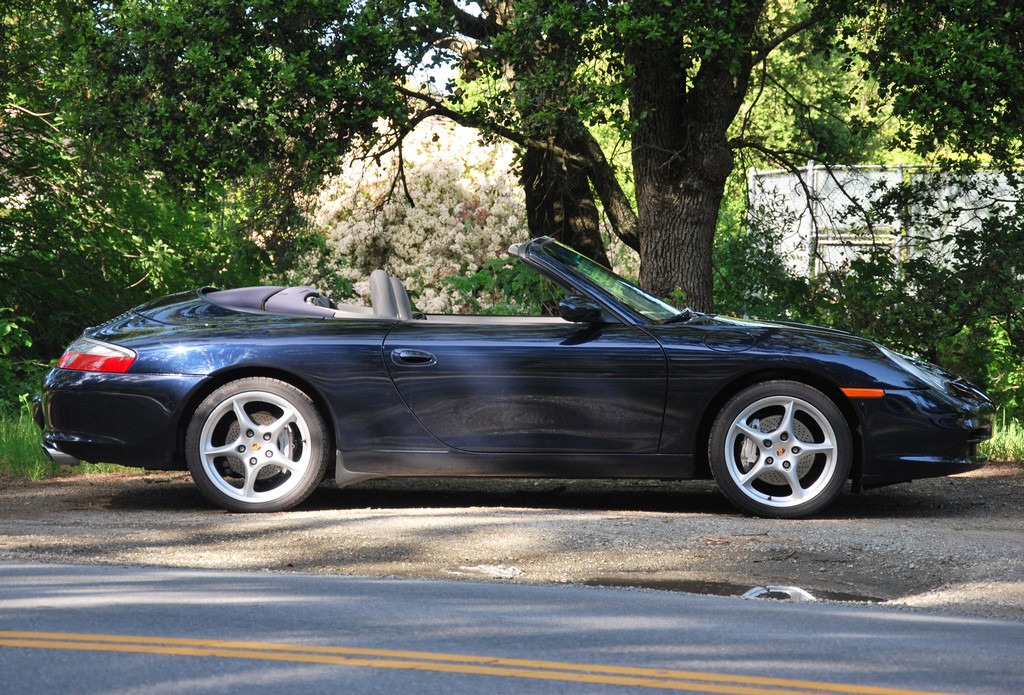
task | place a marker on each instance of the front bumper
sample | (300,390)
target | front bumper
(915,434)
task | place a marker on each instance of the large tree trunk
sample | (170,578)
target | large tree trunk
(677,230)
(682,159)
(680,180)
(560,203)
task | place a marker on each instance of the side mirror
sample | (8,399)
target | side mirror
(580,309)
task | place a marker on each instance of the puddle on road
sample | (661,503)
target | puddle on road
(691,586)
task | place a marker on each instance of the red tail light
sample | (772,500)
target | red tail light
(93,356)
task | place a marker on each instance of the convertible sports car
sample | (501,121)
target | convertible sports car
(261,391)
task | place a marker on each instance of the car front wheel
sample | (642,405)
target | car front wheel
(257,445)
(780,449)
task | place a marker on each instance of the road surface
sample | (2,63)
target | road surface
(110,629)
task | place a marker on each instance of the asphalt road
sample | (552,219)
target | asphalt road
(125,630)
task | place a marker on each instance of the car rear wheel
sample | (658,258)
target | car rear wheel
(780,449)
(257,445)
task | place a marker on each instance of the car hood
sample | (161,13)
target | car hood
(751,332)
(758,324)
(847,352)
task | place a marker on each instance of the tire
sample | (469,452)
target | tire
(780,449)
(257,445)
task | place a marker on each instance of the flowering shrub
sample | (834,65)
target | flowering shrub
(464,206)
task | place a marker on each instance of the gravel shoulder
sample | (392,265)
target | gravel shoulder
(952,545)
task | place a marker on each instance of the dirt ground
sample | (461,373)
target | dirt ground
(952,545)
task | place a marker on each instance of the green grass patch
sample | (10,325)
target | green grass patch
(20,454)
(1007,443)
(22,457)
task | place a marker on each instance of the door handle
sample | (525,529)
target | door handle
(408,357)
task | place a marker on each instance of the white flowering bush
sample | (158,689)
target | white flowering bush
(466,206)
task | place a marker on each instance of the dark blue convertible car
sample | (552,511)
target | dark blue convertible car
(260,392)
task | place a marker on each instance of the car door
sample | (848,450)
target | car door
(531,385)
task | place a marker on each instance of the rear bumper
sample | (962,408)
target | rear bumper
(54,454)
(59,457)
(129,419)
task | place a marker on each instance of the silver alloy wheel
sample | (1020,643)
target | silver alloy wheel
(257,444)
(781,451)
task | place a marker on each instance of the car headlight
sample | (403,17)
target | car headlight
(926,372)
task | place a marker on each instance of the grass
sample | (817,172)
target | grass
(1007,443)
(21,456)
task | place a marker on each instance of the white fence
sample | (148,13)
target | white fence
(829,215)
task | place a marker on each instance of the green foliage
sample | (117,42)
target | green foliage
(750,277)
(85,232)
(505,287)
(312,262)
(555,66)
(999,360)
(12,335)
(81,245)
(216,90)
(952,69)
(809,99)
(20,454)
(957,299)
(1007,443)
(14,374)
(752,280)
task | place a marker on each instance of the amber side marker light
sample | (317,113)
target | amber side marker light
(864,393)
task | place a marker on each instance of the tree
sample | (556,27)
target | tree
(83,233)
(560,200)
(682,68)
(56,234)
(214,90)
(689,69)
(952,69)
(210,90)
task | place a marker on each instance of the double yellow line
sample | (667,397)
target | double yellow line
(463,664)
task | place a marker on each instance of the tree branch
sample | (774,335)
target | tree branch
(41,116)
(768,47)
(616,204)
(474,26)
(439,109)
(588,156)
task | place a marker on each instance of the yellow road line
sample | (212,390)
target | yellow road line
(667,679)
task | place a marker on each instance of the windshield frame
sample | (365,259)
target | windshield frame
(598,281)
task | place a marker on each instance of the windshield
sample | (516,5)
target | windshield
(623,290)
